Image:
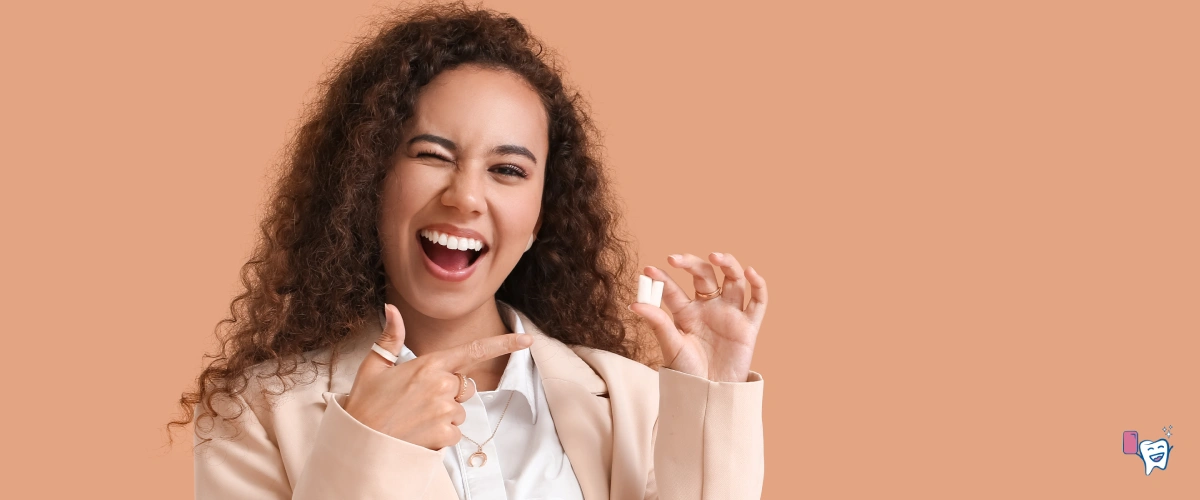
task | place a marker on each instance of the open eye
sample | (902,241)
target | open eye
(511,170)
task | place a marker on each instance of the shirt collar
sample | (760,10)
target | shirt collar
(520,372)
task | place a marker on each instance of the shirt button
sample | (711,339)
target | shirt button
(488,397)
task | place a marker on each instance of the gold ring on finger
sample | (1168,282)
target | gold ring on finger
(709,295)
(462,391)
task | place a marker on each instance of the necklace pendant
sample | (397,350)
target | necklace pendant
(482,459)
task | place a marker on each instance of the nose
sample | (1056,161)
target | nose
(465,192)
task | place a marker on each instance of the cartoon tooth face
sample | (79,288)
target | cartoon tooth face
(1154,454)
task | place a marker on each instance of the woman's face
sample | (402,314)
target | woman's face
(468,173)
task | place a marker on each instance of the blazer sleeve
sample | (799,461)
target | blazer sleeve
(240,460)
(348,460)
(708,439)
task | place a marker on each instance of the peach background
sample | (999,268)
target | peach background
(979,224)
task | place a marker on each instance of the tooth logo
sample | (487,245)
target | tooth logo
(1154,454)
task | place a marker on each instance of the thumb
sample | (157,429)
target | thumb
(391,339)
(670,340)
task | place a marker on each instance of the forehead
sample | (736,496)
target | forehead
(479,107)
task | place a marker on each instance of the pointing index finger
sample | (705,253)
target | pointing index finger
(459,358)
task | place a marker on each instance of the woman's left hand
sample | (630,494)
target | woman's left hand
(710,338)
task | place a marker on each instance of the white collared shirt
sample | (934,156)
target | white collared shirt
(525,460)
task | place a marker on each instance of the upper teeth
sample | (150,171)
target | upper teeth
(452,242)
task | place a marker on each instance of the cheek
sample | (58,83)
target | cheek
(515,214)
(524,211)
(404,193)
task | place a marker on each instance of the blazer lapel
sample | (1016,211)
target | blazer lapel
(578,403)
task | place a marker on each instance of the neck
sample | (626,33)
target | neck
(424,334)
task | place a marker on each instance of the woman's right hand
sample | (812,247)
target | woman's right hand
(414,401)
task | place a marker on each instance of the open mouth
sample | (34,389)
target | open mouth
(452,257)
(1156,457)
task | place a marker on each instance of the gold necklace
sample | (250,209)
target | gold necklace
(479,453)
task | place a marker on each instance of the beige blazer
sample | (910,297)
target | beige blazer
(630,433)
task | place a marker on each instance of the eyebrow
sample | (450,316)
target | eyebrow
(505,149)
(513,149)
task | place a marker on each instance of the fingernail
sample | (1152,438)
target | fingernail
(676,256)
(718,255)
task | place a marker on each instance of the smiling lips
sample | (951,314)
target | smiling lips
(451,253)
(1156,457)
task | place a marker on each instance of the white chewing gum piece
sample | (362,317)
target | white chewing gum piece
(644,285)
(656,293)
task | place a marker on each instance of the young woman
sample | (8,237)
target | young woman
(438,308)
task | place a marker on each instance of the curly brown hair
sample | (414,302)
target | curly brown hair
(316,274)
